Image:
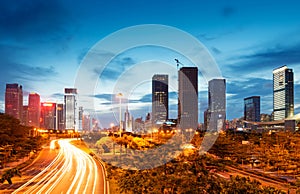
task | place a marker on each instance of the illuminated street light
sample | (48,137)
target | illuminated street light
(112,126)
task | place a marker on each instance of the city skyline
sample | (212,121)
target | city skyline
(45,43)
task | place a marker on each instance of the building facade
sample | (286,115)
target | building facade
(71,110)
(60,117)
(216,104)
(80,117)
(188,98)
(86,122)
(160,99)
(34,110)
(25,116)
(252,108)
(128,121)
(48,115)
(14,101)
(283,93)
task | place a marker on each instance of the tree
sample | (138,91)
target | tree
(9,174)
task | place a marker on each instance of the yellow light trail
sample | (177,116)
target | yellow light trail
(72,171)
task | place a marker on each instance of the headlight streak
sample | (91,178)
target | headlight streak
(54,177)
(60,154)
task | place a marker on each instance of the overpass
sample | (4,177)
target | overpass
(287,124)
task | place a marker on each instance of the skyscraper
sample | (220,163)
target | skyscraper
(14,101)
(160,99)
(60,118)
(34,110)
(188,98)
(252,108)
(71,110)
(283,93)
(48,115)
(216,104)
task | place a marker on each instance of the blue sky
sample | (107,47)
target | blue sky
(42,44)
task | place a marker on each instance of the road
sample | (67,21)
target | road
(71,171)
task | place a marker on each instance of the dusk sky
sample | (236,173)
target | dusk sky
(42,45)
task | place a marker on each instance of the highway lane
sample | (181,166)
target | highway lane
(72,171)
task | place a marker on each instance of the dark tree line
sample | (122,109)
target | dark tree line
(16,142)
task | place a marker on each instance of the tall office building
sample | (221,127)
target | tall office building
(216,104)
(34,110)
(48,115)
(60,118)
(283,93)
(252,108)
(160,99)
(14,101)
(71,110)
(188,98)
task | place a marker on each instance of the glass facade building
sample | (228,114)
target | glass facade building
(283,93)
(252,108)
(160,99)
(48,115)
(71,110)
(188,98)
(14,101)
(34,110)
(216,104)
(60,121)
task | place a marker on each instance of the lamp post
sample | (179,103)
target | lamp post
(119,95)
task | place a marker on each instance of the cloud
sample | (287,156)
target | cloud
(57,95)
(106,97)
(215,50)
(266,59)
(115,68)
(228,11)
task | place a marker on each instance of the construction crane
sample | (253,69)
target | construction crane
(178,63)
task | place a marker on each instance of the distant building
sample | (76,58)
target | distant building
(283,93)
(71,110)
(60,117)
(25,116)
(14,101)
(188,98)
(265,117)
(86,123)
(127,121)
(34,110)
(206,119)
(80,117)
(139,125)
(252,109)
(95,124)
(48,115)
(216,104)
(160,99)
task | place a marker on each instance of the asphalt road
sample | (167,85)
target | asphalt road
(71,171)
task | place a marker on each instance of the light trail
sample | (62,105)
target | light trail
(72,171)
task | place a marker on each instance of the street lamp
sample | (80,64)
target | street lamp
(120,95)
